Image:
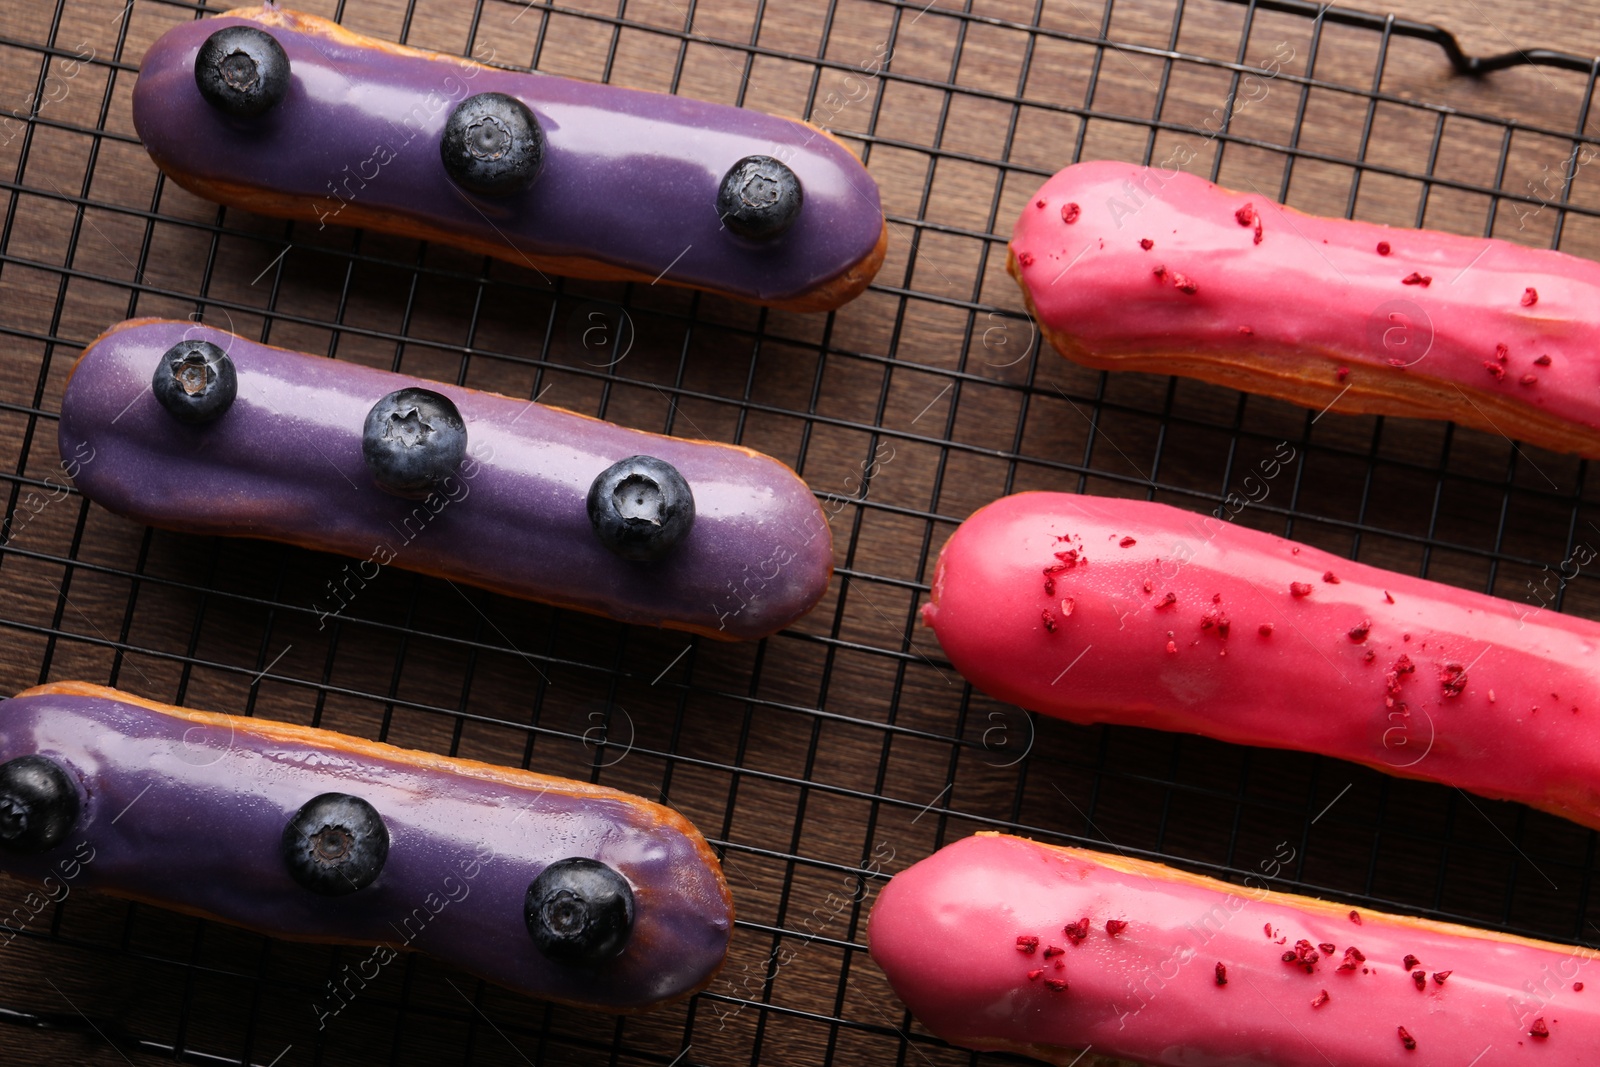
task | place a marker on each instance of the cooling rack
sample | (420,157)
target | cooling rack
(826,758)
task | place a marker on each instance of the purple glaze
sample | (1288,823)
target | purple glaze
(285,463)
(185,810)
(630,177)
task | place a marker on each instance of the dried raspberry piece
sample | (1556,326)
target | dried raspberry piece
(1222,974)
(1303,955)
(1352,957)
(1421,978)
(1407,1040)
(1216,619)
(1327,948)
(1070,213)
(1355,917)
(1495,369)
(1416,279)
(1265,629)
(1501,353)
(1056,985)
(1342,373)
(1167,601)
(1126,542)
(1411,961)
(1358,633)
(1049,619)
(1538,1029)
(1528,379)
(1440,976)
(1146,244)
(1025,258)
(1383,248)
(1246,215)
(1392,678)
(1542,361)
(1184,284)
(1321,999)
(1027,943)
(1077,931)
(1033,975)
(1530,297)
(1452,679)
(1299,589)
(1330,577)
(1116,926)
(1053,951)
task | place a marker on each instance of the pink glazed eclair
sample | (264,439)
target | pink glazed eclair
(1132,613)
(1001,943)
(1135,268)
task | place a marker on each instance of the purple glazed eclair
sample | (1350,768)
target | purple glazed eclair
(556,889)
(292,115)
(288,460)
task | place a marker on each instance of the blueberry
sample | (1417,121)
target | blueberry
(492,145)
(640,507)
(413,440)
(579,911)
(242,71)
(195,381)
(38,804)
(335,845)
(760,198)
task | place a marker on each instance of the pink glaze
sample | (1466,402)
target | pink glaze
(1236,273)
(945,932)
(1503,700)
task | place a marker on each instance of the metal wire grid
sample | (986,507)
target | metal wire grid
(1207,806)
